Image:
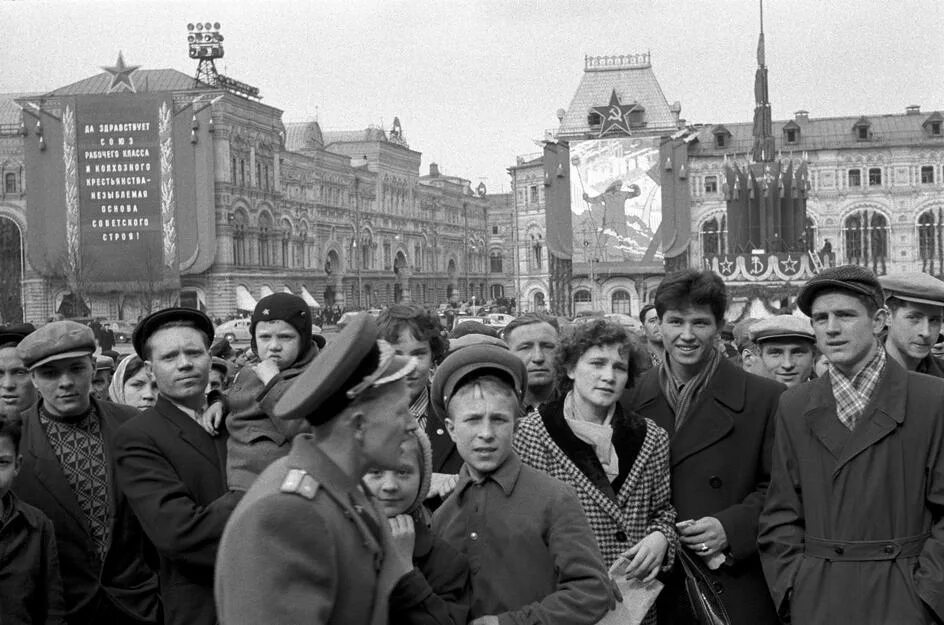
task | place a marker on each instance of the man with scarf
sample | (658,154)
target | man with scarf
(857,485)
(720,421)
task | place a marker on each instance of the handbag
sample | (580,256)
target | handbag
(702,592)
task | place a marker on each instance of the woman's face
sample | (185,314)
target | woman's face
(141,390)
(408,345)
(396,490)
(600,376)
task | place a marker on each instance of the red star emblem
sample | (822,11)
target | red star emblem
(614,116)
(121,76)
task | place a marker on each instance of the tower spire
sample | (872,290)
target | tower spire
(763,125)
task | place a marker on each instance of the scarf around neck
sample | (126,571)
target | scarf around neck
(597,435)
(681,397)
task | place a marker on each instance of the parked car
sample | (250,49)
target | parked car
(122,329)
(234,330)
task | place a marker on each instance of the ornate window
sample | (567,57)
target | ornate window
(866,239)
(620,302)
(855,177)
(9,183)
(875,177)
(539,304)
(711,184)
(495,262)
(239,239)
(265,228)
(927,174)
(714,236)
(582,296)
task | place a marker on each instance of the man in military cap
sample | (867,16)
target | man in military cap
(69,460)
(171,469)
(16,390)
(104,369)
(306,544)
(785,346)
(857,479)
(915,301)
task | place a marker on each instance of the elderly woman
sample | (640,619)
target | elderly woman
(133,384)
(617,462)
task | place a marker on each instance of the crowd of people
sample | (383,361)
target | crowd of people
(788,469)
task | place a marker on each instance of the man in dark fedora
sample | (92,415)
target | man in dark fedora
(915,302)
(171,469)
(16,391)
(853,510)
(69,448)
(306,544)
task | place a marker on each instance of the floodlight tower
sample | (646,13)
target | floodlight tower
(206,44)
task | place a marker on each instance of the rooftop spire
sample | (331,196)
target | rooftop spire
(763,125)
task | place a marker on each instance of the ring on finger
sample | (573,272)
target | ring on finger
(703,547)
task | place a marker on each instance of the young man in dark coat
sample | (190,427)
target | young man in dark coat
(69,461)
(172,470)
(852,531)
(720,422)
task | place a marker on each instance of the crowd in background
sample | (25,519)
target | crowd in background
(552,472)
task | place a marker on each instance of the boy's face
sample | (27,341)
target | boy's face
(396,490)
(9,464)
(482,424)
(279,342)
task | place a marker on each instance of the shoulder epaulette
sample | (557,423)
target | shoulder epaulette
(299,482)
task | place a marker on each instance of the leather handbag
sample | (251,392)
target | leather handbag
(702,592)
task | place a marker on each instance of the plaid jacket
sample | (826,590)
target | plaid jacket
(636,504)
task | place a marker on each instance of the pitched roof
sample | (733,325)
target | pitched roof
(632,78)
(144,80)
(824,133)
(371,134)
(9,110)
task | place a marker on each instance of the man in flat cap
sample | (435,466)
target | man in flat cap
(104,369)
(534,557)
(785,348)
(69,448)
(16,390)
(854,505)
(306,544)
(915,301)
(171,469)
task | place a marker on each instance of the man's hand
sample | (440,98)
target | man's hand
(266,370)
(704,536)
(485,620)
(646,557)
(212,417)
(441,484)
(404,539)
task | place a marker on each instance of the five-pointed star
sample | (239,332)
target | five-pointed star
(614,116)
(726,266)
(265,311)
(121,75)
(789,264)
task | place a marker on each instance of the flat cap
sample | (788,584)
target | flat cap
(56,341)
(103,362)
(14,333)
(914,286)
(155,321)
(782,327)
(220,365)
(353,362)
(476,358)
(851,278)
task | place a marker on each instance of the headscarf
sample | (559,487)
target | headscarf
(116,390)
(597,435)
(424,451)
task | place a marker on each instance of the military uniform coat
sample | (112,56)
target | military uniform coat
(720,460)
(173,473)
(299,550)
(852,527)
(125,577)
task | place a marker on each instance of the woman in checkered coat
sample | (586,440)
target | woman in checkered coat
(618,463)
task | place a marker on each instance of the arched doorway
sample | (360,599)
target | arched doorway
(11,260)
(539,305)
(451,287)
(331,267)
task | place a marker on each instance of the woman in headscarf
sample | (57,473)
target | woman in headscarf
(438,566)
(617,462)
(133,384)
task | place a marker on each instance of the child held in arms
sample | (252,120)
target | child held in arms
(436,592)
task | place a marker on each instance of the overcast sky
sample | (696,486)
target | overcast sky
(475,82)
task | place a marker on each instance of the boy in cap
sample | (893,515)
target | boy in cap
(306,544)
(16,391)
(70,454)
(915,301)
(171,469)
(534,558)
(857,482)
(785,346)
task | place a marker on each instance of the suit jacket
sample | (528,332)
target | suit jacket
(173,473)
(720,462)
(125,578)
(879,487)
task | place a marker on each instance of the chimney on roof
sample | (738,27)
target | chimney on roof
(802,116)
(433,170)
(913,109)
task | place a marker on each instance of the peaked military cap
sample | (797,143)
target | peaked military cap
(914,286)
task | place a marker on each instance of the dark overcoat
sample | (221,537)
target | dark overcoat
(720,460)
(125,576)
(858,515)
(173,473)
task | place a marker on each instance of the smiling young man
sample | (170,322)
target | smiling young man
(69,449)
(171,469)
(915,301)
(720,421)
(785,345)
(853,507)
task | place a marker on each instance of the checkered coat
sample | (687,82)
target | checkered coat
(640,502)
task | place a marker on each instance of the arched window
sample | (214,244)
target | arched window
(866,239)
(852,231)
(927,241)
(583,300)
(265,229)
(9,183)
(539,305)
(714,235)
(495,262)
(239,239)
(620,302)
